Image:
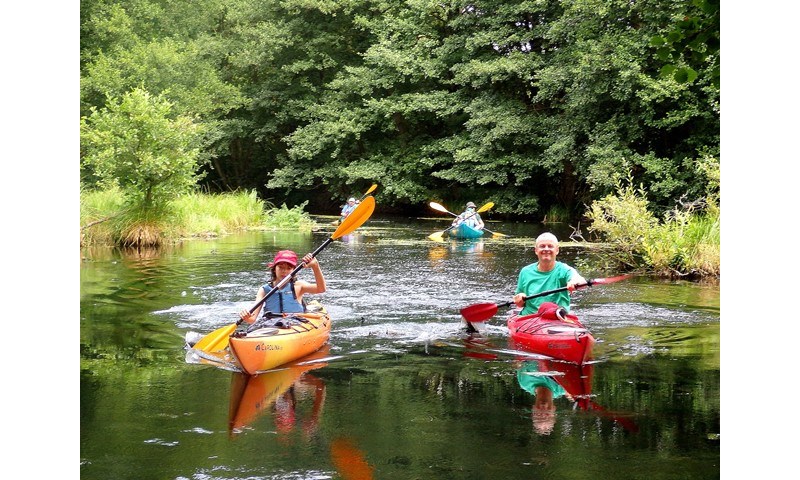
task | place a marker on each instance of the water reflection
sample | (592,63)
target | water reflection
(469,245)
(389,403)
(548,380)
(350,461)
(280,392)
(352,238)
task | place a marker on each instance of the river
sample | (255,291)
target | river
(400,391)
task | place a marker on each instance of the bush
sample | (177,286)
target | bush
(685,243)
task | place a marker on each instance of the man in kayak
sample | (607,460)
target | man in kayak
(348,208)
(288,299)
(546,274)
(470,217)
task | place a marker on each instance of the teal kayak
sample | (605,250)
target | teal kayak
(465,231)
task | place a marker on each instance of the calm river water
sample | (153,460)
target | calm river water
(400,392)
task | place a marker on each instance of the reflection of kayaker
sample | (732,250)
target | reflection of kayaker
(279,391)
(535,379)
(549,380)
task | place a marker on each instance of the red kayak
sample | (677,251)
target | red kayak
(552,332)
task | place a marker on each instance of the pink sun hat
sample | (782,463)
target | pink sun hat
(286,256)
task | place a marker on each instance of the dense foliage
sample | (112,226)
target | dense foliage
(533,104)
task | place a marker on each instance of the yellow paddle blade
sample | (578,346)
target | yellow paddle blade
(487,206)
(357,218)
(437,236)
(440,207)
(216,340)
(496,234)
(370,189)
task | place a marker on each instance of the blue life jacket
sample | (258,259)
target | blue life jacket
(283,301)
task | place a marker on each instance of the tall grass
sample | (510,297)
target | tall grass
(686,243)
(105,218)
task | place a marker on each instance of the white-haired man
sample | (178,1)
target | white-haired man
(546,274)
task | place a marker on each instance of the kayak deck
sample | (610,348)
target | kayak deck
(270,347)
(566,340)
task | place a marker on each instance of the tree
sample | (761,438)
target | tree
(134,143)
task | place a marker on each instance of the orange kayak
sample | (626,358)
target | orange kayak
(270,347)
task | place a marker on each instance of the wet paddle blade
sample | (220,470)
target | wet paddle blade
(217,340)
(479,312)
(370,190)
(440,207)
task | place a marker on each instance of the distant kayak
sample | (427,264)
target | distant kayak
(465,231)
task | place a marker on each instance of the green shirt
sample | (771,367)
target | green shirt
(528,380)
(531,281)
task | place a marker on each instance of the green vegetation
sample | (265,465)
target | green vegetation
(531,104)
(686,243)
(544,107)
(105,219)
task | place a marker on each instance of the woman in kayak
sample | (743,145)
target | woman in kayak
(546,274)
(289,299)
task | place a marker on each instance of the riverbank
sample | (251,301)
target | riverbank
(684,245)
(105,220)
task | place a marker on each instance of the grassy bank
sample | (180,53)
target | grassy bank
(106,220)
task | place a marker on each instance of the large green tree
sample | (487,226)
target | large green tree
(529,103)
(534,104)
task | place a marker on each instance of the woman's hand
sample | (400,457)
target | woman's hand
(310,261)
(246,316)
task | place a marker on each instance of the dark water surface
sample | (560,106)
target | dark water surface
(400,392)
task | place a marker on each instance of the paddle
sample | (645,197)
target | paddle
(439,207)
(627,423)
(218,339)
(483,311)
(438,235)
(369,190)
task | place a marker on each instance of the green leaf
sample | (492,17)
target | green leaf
(685,75)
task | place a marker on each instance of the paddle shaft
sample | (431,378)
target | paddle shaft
(465,218)
(548,292)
